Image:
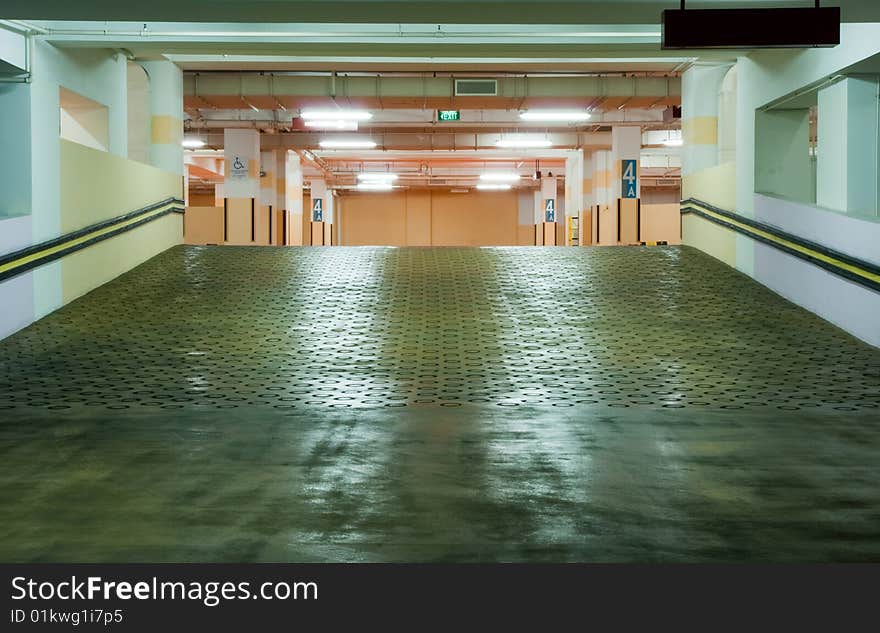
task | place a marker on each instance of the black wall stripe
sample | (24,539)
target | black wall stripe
(253,220)
(618,220)
(225,219)
(270,224)
(690,206)
(638,219)
(30,250)
(51,257)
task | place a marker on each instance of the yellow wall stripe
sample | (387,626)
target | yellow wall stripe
(813,254)
(31,257)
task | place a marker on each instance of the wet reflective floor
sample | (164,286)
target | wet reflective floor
(437,404)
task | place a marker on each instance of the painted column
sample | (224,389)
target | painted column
(166,115)
(293,193)
(241,186)
(241,169)
(602,188)
(320,210)
(847,160)
(700,88)
(626,147)
(585,224)
(550,207)
(574,196)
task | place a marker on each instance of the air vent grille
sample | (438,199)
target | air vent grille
(476,87)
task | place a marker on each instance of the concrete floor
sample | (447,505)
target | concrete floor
(372,404)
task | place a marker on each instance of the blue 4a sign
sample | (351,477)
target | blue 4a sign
(550,210)
(629,182)
(318,210)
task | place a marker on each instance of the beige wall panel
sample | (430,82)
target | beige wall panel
(585,226)
(418,218)
(328,234)
(201,199)
(717,241)
(715,185)
(317,231)
(203,225)
(539,234)
(549,230)
(701,130)
(661,223)
(374,219)
(474,219)
(238,221)
(97,185)
(629,227)
(526,235)
(261,225)
(166,130)
(307,219)
(607,224)
(295,229)
(91,267)
(278,229)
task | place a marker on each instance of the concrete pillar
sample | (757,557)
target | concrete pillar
(585,224)
(626,146)
(241,149)
(321,212)
(574,195)
(848,162)
(550,210)
(166,115)
(700,88)
(293,193)
(603,190)
(587,178)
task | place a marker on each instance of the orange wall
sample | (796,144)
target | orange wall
(425,218)
(201,199)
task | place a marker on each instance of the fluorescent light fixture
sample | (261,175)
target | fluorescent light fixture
(493,187)
(336,115)
(376,177)
(374,186)
(499,176)
(193,143)
(523,142)
(348,126)
(673,142)
(346,144)
(555,115)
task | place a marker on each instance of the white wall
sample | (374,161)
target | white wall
(31,177)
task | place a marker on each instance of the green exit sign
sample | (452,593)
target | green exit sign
(448,115)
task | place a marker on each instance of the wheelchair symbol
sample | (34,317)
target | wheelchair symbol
(237,164)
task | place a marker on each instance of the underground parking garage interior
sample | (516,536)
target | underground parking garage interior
(439,282)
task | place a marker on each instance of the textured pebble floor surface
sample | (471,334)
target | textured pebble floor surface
(437,404)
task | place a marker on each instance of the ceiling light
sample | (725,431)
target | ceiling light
(493,187)
(499,176)
(555,115)
(523,142)
(673,142)
(348,126)
(377,176)
(193,143)
(336,115)
(374,186)
(347,144)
